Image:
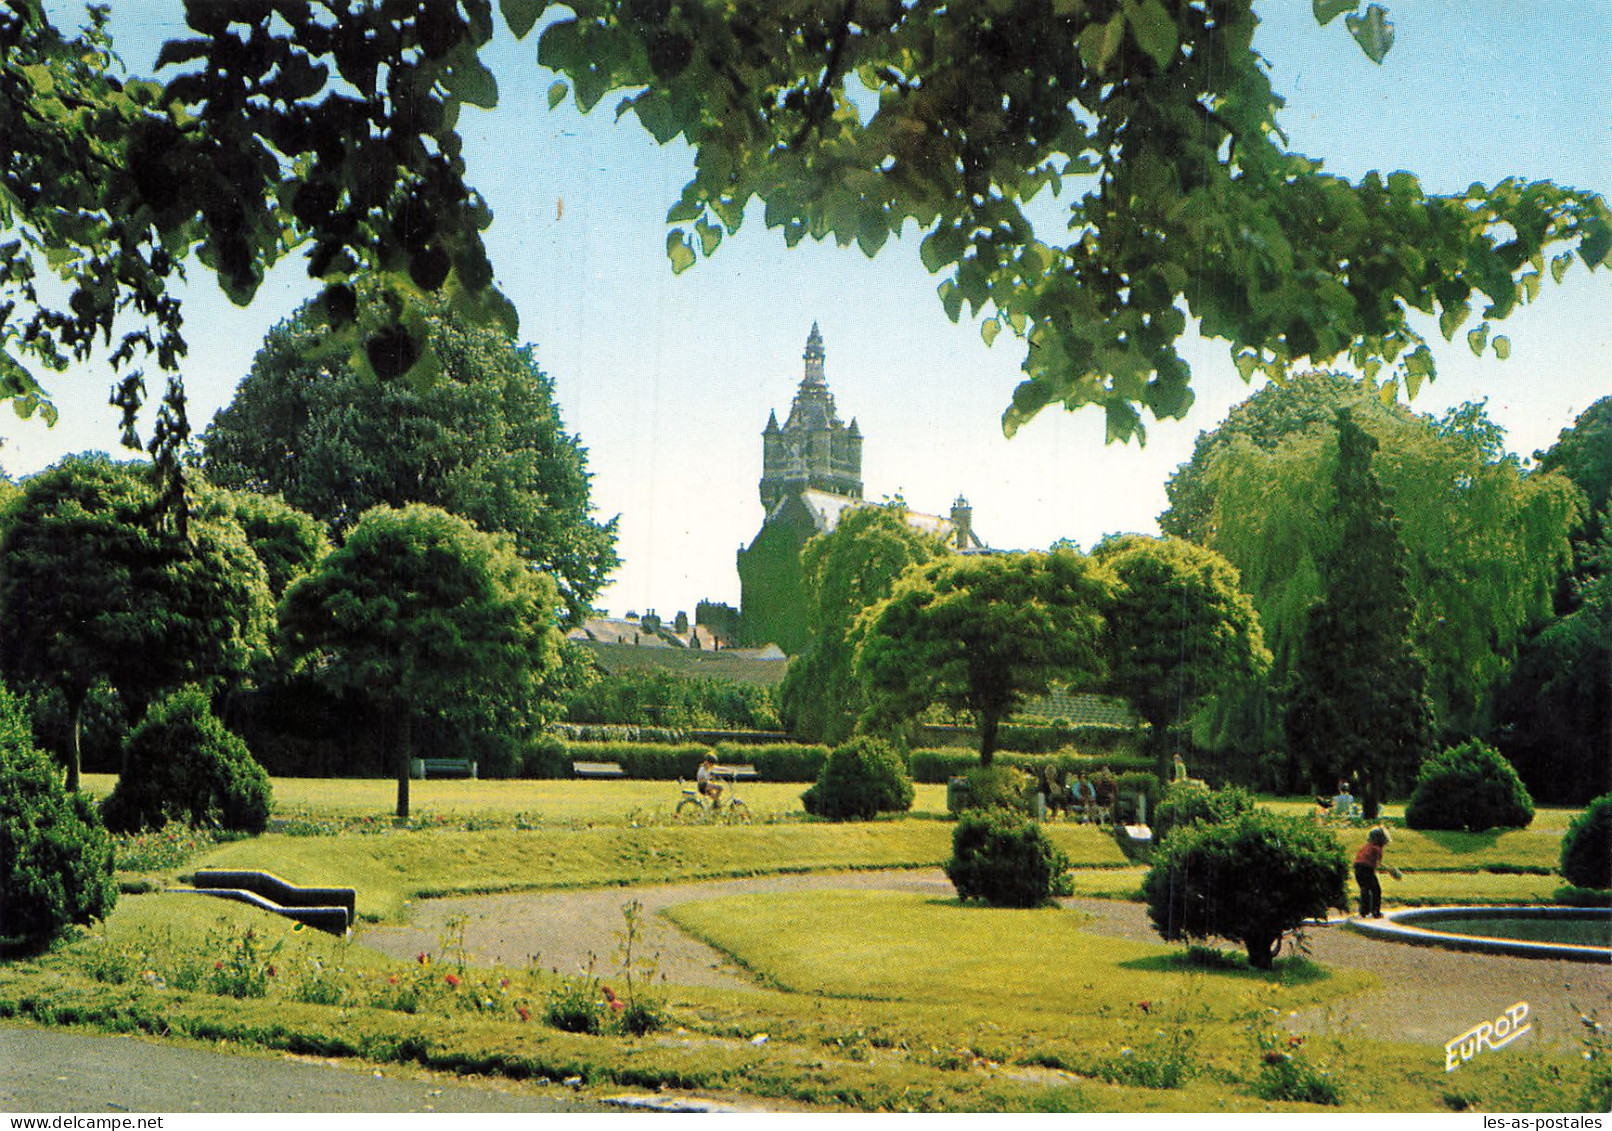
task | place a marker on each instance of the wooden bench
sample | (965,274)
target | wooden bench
(598,770)
(442,768)
(735,773)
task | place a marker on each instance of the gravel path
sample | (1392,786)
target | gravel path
(1425,995)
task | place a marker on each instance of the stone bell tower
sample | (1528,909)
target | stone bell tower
(813,449)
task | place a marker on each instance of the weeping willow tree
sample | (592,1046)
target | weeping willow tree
(1485,543)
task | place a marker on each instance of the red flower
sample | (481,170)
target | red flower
(271,971)
(218,966)
(1144,1006)
(423,958)
(610,994)
(451,979)
(393,979)
(524,1012)
(1295,1042)
(617,1004)
(504,982)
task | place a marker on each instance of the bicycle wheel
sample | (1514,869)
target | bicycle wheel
(689,809)
(738,812)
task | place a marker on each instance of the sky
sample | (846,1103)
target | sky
(668,380)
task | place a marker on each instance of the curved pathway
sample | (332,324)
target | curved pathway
(1424,996)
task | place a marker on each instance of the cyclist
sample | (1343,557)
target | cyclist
(708,786)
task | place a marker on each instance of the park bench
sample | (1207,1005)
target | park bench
(443,768)
(735,773)
(597,770)
(326,909)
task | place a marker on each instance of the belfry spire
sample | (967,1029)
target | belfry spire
(814,357)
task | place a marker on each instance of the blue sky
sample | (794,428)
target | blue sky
(669,379)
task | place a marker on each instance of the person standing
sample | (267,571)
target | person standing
(1367,861)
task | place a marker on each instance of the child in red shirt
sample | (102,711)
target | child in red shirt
(1367,861)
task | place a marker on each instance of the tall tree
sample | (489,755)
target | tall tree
(1583,453)
(427,617)
(846,570)
(984,633)
(332,127)
(1487,543)
(1180,631)
(485,441)
(94,587)
(1358,703)
(288,542)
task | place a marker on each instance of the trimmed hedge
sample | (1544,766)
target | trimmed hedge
(1029,738)
(1006,860)
(861,779)
(1470,787)
(551,757)
(1587,847)
(935,766)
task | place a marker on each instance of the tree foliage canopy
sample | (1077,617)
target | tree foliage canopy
(423,613)
(982,633)
(1486,543)
(332,128)
(485,442)
(93,586)
(1180,630)
(845,571)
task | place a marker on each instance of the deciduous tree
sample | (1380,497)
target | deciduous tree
(846,571)
(1180,631)
(332,127)
(485,442)
(94,586)
(429,618)
(983,633)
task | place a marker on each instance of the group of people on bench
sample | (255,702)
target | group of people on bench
(1086,799)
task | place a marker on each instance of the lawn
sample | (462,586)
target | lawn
(866,1000)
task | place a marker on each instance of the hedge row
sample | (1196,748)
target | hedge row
(1030,738)
(938,765)
(549,757)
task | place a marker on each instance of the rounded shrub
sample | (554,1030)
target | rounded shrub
(1472,787)
(55,856)
(1587,846)
(997,787)
(1252,878)
(1006,859)
(1187,801)
(861,779)
(180,763)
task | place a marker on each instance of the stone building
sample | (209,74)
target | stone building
(811,471)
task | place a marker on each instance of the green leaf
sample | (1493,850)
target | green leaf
(1328,10)
(989,329)
(710,236)
(557,93)
(1502,347)
(679,251)
(1247,363)
(1373,32)
(1528,286)
(1155,30)
(1100,42)
(1450,321)
(1478,339)
(521,15)
(1597,243)
(1559,265)
(470,81)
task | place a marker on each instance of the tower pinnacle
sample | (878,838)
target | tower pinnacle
(814,357)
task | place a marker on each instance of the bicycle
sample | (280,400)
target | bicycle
(695,803)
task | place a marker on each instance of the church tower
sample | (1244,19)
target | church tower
(813,449)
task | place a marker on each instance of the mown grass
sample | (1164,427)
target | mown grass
(388,869)
(1061,1020)
(870,1000)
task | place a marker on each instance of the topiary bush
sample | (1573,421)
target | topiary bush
(1252,878)
(1189,801)
(1471,787)
(861,779)
(1587,846)
(1006,860)
(55,856)
(997,787)
(180,763)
